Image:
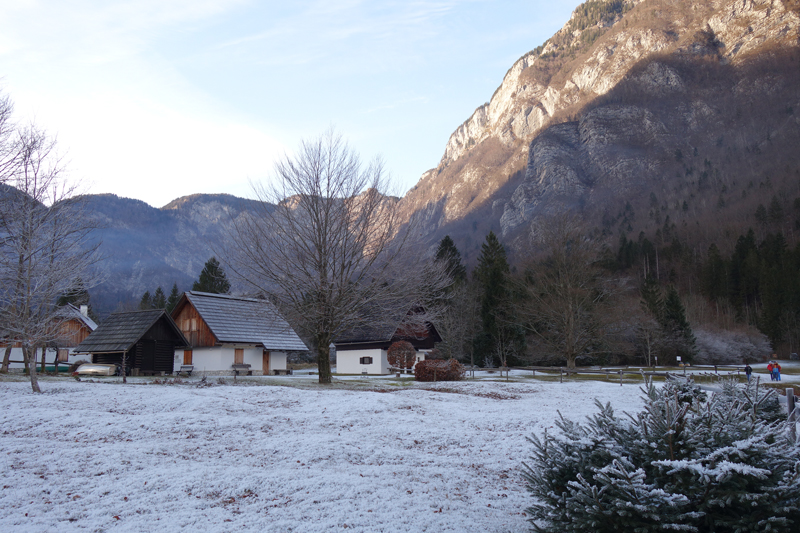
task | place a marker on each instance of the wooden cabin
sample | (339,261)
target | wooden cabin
(229,334)
(71,326)
(147,340)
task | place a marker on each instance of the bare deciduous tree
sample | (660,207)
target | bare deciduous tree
(44,248)
(459,322)
(328,247)
(565,294)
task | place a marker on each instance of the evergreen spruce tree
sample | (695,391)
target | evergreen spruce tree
(146,302)
(159,299)
(78,297)
(448,254)
(687,462)
(212,279)
(714,276)
(174,297)
(500,336)
(652,300)
(676,326)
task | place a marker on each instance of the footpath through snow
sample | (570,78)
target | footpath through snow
(112,457)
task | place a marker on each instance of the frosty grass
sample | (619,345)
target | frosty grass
(439,457)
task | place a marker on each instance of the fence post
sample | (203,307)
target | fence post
(620,378)
(561,373)
(792,417)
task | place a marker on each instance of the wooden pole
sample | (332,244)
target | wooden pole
(620,378)
(561,373)
(792,417)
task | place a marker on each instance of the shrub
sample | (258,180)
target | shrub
(401,354)
(687,462)
(438,370)
(435,354)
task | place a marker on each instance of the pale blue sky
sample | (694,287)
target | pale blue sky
(157,99)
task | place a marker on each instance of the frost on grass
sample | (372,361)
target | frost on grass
(178,457)
(687,462)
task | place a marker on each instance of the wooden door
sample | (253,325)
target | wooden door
(238,356)
(265,362)
(187,357)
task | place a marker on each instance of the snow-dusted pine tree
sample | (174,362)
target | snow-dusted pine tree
(687,462)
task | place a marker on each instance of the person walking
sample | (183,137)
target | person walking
(748,371)
(769,371)
(776,370)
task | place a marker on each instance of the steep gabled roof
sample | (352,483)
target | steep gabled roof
(72,311)
(385,332)
(233,319)
(120,331)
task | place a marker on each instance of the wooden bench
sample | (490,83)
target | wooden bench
(281,371)
(186,369)
(238,369)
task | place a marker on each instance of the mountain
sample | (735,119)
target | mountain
(637,114)
(642,115)
(144,247)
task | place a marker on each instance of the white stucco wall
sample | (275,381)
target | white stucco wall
(277,361)
(347,361)
(219,359)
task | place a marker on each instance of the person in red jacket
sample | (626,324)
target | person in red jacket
(769,369)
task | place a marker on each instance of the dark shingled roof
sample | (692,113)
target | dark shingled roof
(371,333)
(383,331)
(245,320)
(120,331)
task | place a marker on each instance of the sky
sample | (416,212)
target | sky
(158,99)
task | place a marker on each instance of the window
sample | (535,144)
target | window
(187,357)
(365,361)
(63,355)
(238,356)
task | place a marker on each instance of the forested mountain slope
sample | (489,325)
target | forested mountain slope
(633,112)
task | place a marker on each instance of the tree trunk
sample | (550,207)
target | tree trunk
(44,356)
(31,363)
(6,357)
(324,358)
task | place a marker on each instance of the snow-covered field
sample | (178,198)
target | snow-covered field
(437,457)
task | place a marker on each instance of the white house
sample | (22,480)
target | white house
(365,350)
(71,327)
(230,334)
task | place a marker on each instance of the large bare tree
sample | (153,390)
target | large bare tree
(567,299)
(329,248)
(44,243)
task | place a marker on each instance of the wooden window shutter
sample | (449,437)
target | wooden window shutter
(238,356)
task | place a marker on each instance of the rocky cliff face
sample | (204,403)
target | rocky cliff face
(599,112)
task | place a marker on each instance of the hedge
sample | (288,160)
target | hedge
(438,370)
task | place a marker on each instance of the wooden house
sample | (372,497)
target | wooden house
(148,339)
(364,350)
(70,327)
(230,334)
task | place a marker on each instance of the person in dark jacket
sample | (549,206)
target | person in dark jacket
(748,371)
